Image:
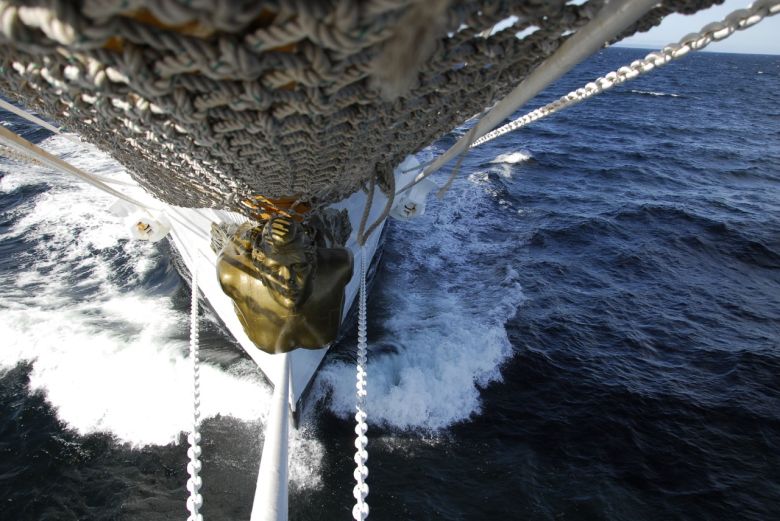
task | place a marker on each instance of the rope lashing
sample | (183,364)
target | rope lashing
(713,32)
(365,232)
(195,501)
(360,510)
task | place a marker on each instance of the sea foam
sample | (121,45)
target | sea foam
(512,157)
(108,355)
(449,292)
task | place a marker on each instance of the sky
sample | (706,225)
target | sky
(763,38)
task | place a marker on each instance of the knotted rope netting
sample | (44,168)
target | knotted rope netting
(210,102)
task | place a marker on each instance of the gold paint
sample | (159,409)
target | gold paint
(193,28)
(115,43)
(287,292)
(288,86)
(289,48)
(265,208)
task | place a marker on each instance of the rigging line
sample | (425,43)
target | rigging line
(38,121)
(174,217)
(613,18)
(25,149)
(363,233)
(739,19)
(471,136)
(418,167)
(48,126)
(717,31)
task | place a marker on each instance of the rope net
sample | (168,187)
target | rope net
(210,103)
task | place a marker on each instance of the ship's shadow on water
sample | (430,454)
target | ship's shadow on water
(586,327)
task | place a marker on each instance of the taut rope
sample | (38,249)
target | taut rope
(713,32)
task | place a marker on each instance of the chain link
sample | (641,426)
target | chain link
(360,510)
(195,501)
(713,32)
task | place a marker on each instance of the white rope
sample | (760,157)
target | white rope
(713,32)
(360,510)
(41,123)
(613,19)
(195,501)
(38,121)
(20,148)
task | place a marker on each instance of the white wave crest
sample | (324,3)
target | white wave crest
(653,93)
(442,316)
(109,357)
(513,157)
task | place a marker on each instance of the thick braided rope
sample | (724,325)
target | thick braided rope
(360,510)
(737,20)
(195,500)
(208,103)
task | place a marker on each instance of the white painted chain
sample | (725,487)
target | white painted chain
(360,510)
(713,32)
(195,501)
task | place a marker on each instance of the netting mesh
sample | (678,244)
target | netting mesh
(208,102)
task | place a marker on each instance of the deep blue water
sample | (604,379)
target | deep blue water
(586,327)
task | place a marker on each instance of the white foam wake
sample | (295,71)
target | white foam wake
(109,357)
(654,93)
(512,157)
(451,289)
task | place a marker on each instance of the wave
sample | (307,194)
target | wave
(442,336)
(513,157)
(107,352)
(654,93)
(696,232)
(583,231)
(645,213)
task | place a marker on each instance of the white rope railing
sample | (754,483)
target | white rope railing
(195,501)
(714,32)
(360,510)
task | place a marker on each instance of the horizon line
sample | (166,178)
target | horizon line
(650,47)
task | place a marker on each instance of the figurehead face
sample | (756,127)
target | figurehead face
(285,256)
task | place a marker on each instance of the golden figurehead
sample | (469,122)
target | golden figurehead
(287,291)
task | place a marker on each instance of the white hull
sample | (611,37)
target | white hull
(289,373)
(191,236)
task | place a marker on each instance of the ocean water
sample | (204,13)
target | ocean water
(586,327)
